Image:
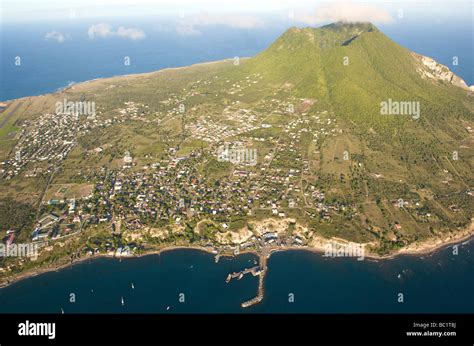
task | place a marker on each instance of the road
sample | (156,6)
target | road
(9,114)
(44,193)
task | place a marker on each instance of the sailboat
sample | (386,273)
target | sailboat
(133,287)
(123,303)
(62,311)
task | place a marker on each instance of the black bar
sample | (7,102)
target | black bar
(210,329)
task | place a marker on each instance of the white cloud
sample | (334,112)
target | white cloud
(56,36)
(104,30)
(189,25)
(344,11)
(99,30)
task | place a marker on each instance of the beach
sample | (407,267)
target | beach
(416,249)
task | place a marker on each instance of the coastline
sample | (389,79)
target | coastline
(426,247)
(128,75)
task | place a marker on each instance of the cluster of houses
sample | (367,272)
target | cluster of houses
(173,190)
(48,139)
(238,87)
(213,130)
(67,220)
(265,240)
(131,109)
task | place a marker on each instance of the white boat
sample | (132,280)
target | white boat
(133,287)
(62,311)
(167,308)
(123,303)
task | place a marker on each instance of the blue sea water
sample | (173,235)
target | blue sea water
(440,282)
(48,65)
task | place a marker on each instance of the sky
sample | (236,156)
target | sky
(243,12)
(189,17)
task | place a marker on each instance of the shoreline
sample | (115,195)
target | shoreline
(138,74)
(429,246)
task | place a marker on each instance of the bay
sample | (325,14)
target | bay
(438,282)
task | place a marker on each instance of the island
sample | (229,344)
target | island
(333,139)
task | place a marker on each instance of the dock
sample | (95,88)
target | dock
(239,275)
(259,271)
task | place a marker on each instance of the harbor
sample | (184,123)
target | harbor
(239,275)
(259,271)
(293,271)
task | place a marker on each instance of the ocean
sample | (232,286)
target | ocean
(297,281)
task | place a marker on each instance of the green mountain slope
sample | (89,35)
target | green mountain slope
(353,67)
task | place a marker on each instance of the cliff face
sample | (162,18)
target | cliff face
(431,69)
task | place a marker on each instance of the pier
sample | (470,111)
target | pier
(261,279)
(239,275)
(259,271)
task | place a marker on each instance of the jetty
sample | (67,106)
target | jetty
(259,271)
(261,279)
(239,275)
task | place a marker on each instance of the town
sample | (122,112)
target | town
(134,176)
